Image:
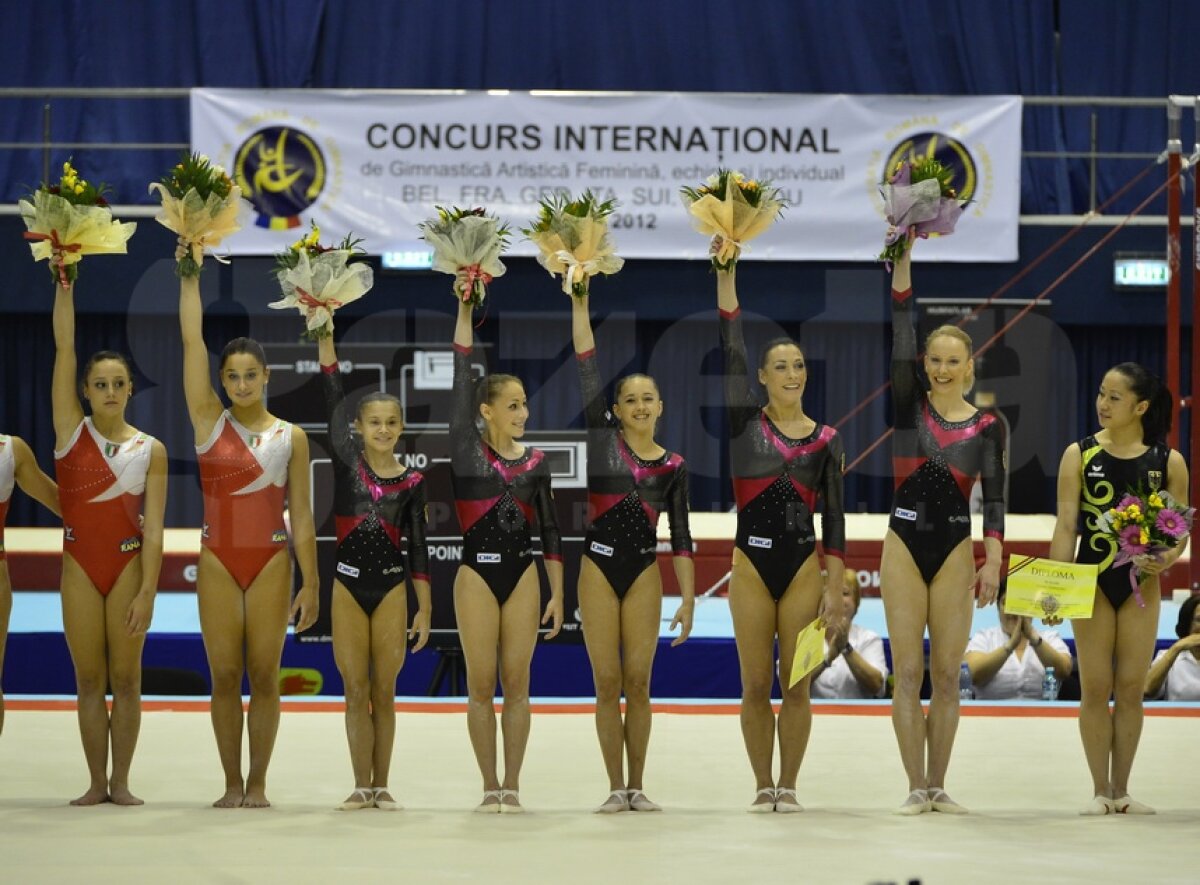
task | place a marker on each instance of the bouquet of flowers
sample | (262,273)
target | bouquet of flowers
(734,210)
(918,201)
(317,280)
(1145,523)
(71,219)
(467,243)
(201,204)
(572,240)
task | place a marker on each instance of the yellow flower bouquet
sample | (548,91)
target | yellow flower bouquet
(733,210)
(202,205)
(70,219)
(572,240)
(467,243)
(317,280)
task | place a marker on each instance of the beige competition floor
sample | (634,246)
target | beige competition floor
(1022,776)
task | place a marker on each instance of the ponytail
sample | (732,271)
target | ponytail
(1148,388)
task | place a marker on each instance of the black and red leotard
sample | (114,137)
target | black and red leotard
(371,512)
(777,480)
(626,493)
(935,461)
(497,499)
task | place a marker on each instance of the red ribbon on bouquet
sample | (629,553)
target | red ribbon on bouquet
(473,275)
(58,250)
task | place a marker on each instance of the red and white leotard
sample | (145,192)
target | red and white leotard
(8,470)
(101,485)
(243,475)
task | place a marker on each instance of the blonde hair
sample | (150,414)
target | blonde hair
(963,338)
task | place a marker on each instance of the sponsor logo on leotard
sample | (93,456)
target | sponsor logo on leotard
(961,517)
(910,515)
(68,533)
(1096,470)
(393,570)
(204,531)
(602,549)
(349,570)
(755,541)
(131,545)
(279,536)
(487,558)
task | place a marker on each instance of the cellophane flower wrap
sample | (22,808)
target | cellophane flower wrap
(202,205)
(467,243)
(318,280)
(1145,523)
(919,202)
(70,219)
(573,241)
(733,210)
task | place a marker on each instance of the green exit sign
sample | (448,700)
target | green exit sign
(1140,271)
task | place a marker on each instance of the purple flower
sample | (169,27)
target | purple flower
(1130,540)
(1131,499)
(1171,524)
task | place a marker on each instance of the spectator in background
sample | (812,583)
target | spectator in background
(1175,673)
(1002,666)
(855,666)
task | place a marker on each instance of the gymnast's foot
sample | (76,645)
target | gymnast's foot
(119,794)
(96,795)
(256,797)
(941,801)
(235,794)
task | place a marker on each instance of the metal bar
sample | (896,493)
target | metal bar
(1092,166)
(46,142)
(1095,221)
(98,145)
(1083,155)
(67,92)
(1174,198)
(1194,428)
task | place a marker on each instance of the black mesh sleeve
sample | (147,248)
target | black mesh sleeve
(833,509)
(595,410)
(335,408)
(677,513)
(543,504)
(992,471)
(740,401)
(907,383)
(414,531)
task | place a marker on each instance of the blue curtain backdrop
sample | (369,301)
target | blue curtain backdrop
(1030,47)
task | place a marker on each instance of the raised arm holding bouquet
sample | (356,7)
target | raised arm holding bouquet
(201,204)
(70,219)
(919,202)
(733,210)
(467,243)
(572,240)
(317,280)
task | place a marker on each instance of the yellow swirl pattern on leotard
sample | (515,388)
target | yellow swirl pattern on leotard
(1094,506)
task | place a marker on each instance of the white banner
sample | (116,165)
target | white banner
(377,163)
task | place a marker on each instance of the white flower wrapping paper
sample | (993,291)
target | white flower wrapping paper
(318,285)
(469,249)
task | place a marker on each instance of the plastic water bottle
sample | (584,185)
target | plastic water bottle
(966,689)
(1050,685)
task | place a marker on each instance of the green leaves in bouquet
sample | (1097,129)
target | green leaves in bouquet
(198,172)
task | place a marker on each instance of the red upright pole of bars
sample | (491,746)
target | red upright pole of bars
(1174,232)
(1194,411)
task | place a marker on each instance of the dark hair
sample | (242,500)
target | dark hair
(488,388)
(1187,611)
(100,356)
(621,383)
(244,345)
(782,341)
(378,396)
(1148,388)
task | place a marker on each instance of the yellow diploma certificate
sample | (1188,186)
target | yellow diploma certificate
(810,651)
(1043,588)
